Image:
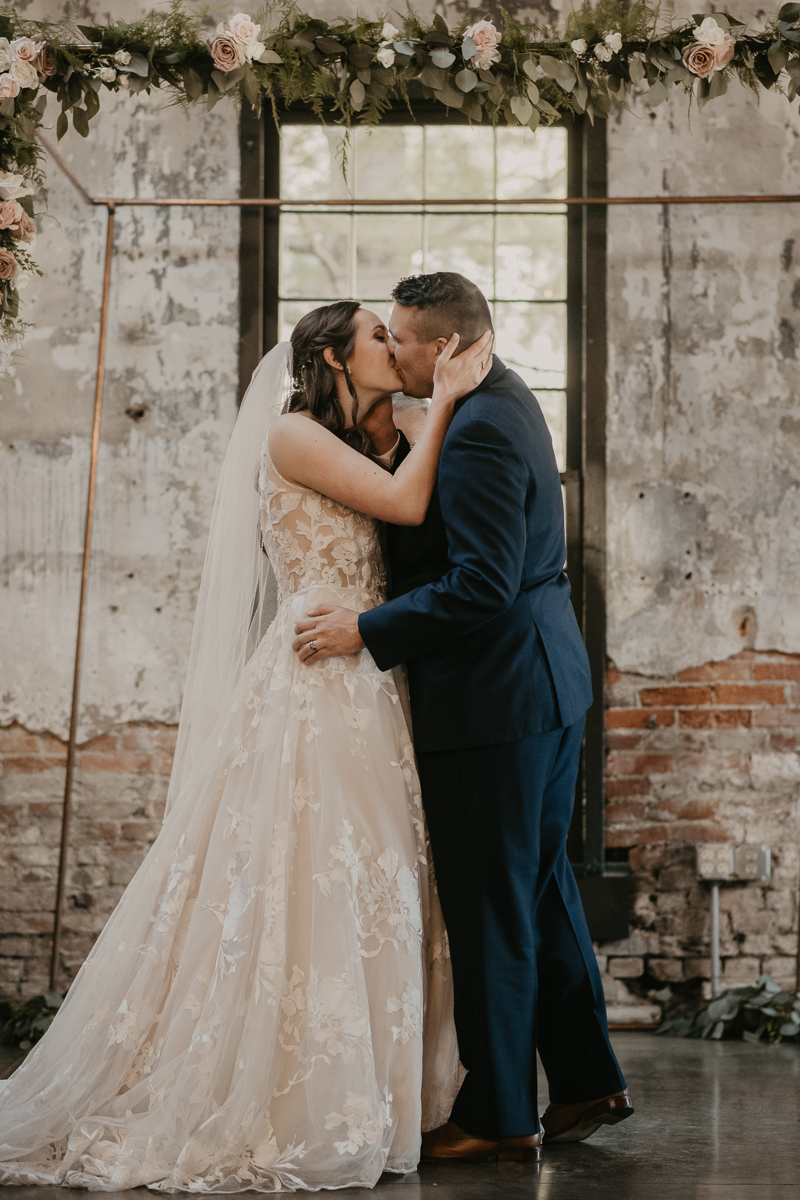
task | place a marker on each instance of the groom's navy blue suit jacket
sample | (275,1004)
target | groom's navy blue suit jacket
(480,611)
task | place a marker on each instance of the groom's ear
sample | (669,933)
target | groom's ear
(441,342)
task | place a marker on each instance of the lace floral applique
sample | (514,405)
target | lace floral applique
(411,1005)
(365,1121)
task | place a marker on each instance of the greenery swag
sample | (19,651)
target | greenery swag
(354,70)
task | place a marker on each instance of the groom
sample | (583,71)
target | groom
(499,683)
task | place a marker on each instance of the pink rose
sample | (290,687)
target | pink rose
(10,214)
(227,52)
(24,49)
(45,62)
(484,35)
(9,88)
(9,267)
(705,60)
(243,29)
(26,228)
(724,52)
(700,60)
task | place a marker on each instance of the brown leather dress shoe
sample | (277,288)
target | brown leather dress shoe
(576,1122)
(449,1143)
(520,1149)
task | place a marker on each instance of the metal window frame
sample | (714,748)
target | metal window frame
(604,886)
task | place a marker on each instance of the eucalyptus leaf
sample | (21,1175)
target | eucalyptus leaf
(62,125)
(80,121)
(442,58)
(789,1030)
(466,79)
(357,94)
(636,70)
(468,49)
(789,13)
(136,84)
(718,86)
(432,77)
(703,88)
(778,56)
(534,119)
(753,1038)
(193,83)
(404,48)
(657,94)
(718,1030)
(269,56)
(545,107)
(522,109)
(138,65)
(531,68)
(330,46)
(533,93)
(451,97)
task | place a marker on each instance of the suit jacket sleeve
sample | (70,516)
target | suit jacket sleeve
(482,491)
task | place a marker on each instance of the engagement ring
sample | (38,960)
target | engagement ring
(312,647)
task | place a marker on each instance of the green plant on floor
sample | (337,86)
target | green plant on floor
(22,1025)
(762,1013)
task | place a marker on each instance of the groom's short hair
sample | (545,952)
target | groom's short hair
(447,303)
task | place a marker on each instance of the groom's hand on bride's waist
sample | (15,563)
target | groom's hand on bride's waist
(327,633)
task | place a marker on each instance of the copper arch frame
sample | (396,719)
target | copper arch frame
(111,206)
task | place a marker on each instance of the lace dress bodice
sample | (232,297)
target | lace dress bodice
(315,542)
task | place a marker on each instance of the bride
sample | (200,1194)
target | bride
(253,1015)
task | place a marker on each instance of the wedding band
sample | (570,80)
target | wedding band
(312,647)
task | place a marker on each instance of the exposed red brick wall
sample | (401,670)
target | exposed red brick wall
(120,788)
(709,755)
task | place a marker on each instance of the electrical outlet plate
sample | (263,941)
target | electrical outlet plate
(714,860)
(752,861)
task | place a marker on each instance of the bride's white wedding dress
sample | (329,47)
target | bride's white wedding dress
(252,1016)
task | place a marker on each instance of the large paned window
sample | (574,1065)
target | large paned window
(516,253)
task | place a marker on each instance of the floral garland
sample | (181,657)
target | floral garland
(354,70)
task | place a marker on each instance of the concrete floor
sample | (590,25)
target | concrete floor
(714,1121)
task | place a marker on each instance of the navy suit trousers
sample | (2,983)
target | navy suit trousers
(524,970)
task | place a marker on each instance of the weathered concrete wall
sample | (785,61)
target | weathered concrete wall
(169,406)
(703,532)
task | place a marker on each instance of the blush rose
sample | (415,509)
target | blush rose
(10,214)
(705,60)
(26,228)
(227,52)
(45,62)
(9,267)
(486,39)
(9,88)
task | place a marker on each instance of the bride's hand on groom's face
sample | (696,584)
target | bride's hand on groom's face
(454,377)
(327,633)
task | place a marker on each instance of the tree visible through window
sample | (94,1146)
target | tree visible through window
(516,254)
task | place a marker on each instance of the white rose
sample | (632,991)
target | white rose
(12,186)
(25,74)
(579,46)
(22,280)
(614,42)
(24,49)
(5,54)
(107,74)
(389,33)
(122,58)
(254,50)
(244,29)
(484,59)
(602,52)
(386,56)
(709,33)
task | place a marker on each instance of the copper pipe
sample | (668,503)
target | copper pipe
(273,202)
(87,553)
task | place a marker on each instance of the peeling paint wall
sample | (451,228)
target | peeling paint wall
(170,401)
(704,395)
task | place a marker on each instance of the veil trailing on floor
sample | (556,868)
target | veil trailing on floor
(238,594)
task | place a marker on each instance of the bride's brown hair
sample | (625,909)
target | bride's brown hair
(314,381)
